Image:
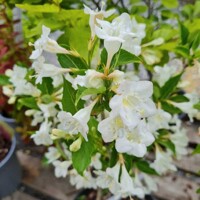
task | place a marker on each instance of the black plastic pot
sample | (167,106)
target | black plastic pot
(10,172)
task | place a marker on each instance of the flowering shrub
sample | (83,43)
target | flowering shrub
(108,123)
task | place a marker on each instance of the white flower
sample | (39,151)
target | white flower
(92,79)
(109,179)
(52,154)
(187,107)
(96,15)
(47,44)
(48,110)
(21,86)
(121,31)
(127,188)
(135,142)
(117,77)
(145,182)
(96,162)
(61,168)
(163,74)
(163,162)
(85,181)
(160,120)
(112,127)
(180,141)
(133,98)
(77,123)
(42,136)
(47,70)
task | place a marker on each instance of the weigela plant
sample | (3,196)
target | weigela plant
(105,124)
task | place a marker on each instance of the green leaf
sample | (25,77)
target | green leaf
(82,158)
(197,150)
(168,144)
(196,41)
(126,57)
(82,91)
(68,61)
(198,191)
(179,98)
(46,86)
(69,97)
(156,91)
(170,86)
(170,3)
(46,8)
(104,56)
(128,161)
(182,51)
(184,33)
(4,80)
(29,102)
(145,167)
(170,108)
(113,158)
(197,106)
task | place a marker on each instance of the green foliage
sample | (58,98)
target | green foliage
(170,3)
(124,57)
(170,86)
(168,107)
(197,106)
(46,8)
(197,150)
(29,102)
(168,144)
(69,61)
(145,167)
(4,80)
(82,158)
(69,97)
(179,98)
(184,33)
(82,91)
(46,86)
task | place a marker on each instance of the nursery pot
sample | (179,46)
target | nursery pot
(10,170)
(9,121)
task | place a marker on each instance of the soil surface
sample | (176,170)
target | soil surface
(5,143)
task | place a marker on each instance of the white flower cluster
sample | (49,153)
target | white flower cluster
(121,104)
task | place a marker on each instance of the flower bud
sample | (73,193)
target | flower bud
(76,145)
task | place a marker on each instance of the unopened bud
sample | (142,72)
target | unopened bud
(76,145)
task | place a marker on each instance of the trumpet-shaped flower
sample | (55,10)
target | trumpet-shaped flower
(160,120)
(96,15)
(61,168)
(77,123)
(110,128)
(188,107)
(163,162)
(47,44)
(42,136)
(180,141)
(92,79)
(135,142)
(46,70)
(52,154)
(120,32)
(127,187)
(163,74)
(109,179)
(133,98)
(145,182)
(85,181)
(48,110)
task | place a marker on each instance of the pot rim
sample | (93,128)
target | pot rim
(10,153)
(7,119)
